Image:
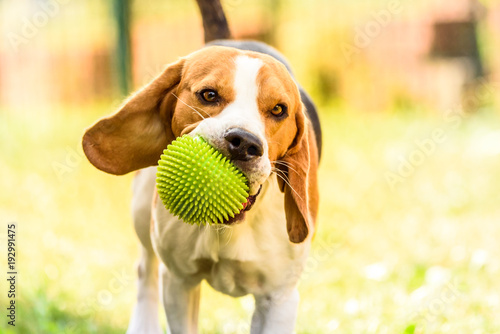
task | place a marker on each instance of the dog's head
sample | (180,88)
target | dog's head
(245,104)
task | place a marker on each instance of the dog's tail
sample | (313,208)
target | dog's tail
(214,21)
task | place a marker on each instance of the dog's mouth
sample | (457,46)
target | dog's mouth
(246,207)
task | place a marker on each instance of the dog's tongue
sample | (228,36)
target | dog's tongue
(250,200)
(246,206)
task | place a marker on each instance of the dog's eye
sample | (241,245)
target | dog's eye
(278,110)
(209,95)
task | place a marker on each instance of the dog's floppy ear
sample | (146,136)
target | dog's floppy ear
(135,136)
(301,189)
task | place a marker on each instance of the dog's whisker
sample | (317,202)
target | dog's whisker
(221,229)
(282,162)
(230,231)
(206,113)
(291,187)
(286,164)
(201,109)
(282,176)
(215,229)
(282,173)
(189,106)
(288,183)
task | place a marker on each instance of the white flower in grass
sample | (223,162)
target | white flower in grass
(376,271)
(351,306)
(479,258)
(333,325)
(437,275)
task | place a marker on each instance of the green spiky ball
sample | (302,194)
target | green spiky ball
(198,184)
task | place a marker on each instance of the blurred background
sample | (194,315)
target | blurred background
(408,94)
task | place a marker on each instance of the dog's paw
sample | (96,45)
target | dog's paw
(143,327)
(144,320)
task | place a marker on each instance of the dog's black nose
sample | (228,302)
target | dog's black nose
(243,145)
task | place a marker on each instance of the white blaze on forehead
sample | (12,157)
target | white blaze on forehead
(244,110)
(245,79)
(242,113)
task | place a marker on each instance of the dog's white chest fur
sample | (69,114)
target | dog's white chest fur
(250,257)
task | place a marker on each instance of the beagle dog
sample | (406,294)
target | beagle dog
(242,99)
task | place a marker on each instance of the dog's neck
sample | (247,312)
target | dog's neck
(244,240)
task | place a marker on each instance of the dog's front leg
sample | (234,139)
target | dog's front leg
(181,300)
(275,313)
(145,315)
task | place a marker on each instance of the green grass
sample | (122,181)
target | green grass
(421,257)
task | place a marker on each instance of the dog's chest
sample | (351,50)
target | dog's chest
(251,257)
(236,278)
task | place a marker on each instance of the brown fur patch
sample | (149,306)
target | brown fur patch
(169,106)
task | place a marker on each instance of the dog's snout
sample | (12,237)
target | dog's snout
(243,145)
